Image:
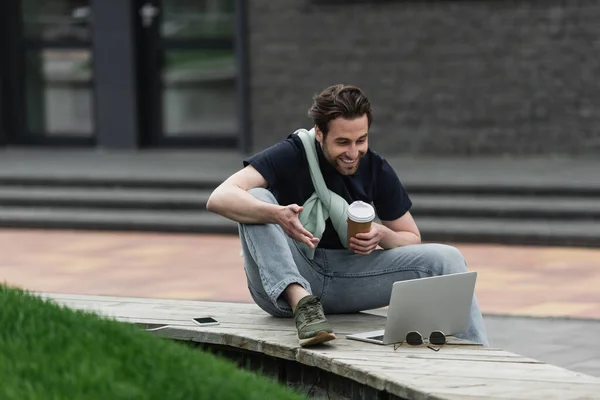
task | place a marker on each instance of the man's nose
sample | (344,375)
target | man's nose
(353,152)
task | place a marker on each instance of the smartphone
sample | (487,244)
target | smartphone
(205,321)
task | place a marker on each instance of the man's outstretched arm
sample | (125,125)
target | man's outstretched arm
(232,200)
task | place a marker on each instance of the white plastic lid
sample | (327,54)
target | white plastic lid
(359,211)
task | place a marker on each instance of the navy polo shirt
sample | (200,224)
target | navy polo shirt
(286,170)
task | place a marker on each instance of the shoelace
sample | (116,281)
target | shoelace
(313,312)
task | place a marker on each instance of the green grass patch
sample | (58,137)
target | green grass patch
(51,352)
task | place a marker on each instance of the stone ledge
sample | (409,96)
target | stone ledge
(459,370)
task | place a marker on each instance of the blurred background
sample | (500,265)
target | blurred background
(122,116)
(485,108)
(448,78)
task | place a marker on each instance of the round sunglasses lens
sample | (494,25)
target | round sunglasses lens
(437,338)
(414,338)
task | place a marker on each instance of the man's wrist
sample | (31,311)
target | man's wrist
(387,236)
(271,213)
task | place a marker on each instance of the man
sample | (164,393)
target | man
(266,198)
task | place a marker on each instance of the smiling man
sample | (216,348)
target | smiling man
(266,198)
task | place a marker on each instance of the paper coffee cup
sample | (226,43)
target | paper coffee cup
(360,216)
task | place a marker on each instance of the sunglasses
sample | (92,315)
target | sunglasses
(414,338)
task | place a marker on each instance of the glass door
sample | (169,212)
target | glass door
(57,71)
(188,73)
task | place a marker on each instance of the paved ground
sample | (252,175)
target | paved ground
(569,343)
(514,283)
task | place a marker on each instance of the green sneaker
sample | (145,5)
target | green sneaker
(312,326)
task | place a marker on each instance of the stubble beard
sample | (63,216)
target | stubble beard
(339,165)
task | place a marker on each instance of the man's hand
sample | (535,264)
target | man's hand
(287,218)
(365,243)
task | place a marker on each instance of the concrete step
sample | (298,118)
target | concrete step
(496,206)
(104,197)
(174,168)
(143,182)
(448,205)
(204,180)
(562,189)
(510,231)
(115,220)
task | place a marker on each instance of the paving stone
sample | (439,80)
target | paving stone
(569,343)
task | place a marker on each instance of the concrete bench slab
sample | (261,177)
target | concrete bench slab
(460,370)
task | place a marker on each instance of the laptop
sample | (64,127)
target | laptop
(437,303)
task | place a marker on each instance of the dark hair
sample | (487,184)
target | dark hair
(339,101)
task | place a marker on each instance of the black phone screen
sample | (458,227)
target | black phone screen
(205,320)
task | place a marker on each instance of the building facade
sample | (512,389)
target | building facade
(451,78)
(123,74)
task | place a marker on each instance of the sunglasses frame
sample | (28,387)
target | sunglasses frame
(415,338)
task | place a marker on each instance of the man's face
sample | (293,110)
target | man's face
(346,143)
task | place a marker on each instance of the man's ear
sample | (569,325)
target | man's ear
(319,135)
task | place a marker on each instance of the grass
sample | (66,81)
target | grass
(51,352)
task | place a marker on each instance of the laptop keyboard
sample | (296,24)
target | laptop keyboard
(376,337)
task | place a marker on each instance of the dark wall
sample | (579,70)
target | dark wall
(445,77)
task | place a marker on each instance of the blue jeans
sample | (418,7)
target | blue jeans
(344,281)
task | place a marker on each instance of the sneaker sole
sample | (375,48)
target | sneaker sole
(321,337)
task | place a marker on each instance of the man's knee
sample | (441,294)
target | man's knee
(263,195)
(449,258)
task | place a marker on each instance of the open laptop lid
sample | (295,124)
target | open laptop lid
(428,304)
